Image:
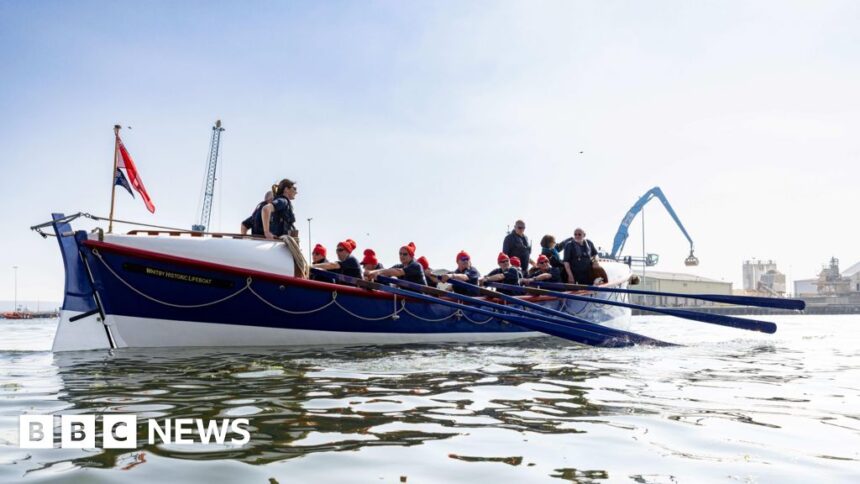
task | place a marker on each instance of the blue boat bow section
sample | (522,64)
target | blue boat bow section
(78,291)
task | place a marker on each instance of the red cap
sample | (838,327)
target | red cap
(515,261)
(347,244)
(462,255)
(502,257)
(410,247)
(319,249)
(542,258)
(369,258)
(424,262)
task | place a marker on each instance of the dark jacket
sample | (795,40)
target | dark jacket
(512,277)
(349,267)
(553,271)
(413,272)
(579,257)
(255,221)
(519,246)
(317,277)
(473,276)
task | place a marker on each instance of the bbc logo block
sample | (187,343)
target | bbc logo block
(77,431)
(119,431)
(36,431)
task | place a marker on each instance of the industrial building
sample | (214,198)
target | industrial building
(833,291)
(679,283)
(830,281)
(763,277)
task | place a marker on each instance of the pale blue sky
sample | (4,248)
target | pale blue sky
(443,122)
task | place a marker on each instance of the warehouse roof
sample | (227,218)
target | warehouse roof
(851,270)
(678,276)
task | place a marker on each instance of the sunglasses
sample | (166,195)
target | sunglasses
(504,261)
(404,253)
(464,259)
(340,249)
(579,235)
(520,227)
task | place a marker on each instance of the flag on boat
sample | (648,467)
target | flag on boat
(121,181)
(124,162)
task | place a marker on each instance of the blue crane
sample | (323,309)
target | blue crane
(209,187)
(621,235)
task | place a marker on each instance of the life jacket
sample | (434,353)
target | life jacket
(583,250)
(283,218)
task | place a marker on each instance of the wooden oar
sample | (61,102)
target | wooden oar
(553,329)
(551,315)
(732,322)
(762,302)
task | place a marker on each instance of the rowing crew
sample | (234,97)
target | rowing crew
(417,270)
(274,217)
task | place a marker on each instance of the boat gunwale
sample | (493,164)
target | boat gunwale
(279,278)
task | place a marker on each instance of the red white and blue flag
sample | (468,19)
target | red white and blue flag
(121,181)
(124,162)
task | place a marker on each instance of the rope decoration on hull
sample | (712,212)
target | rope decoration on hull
(247,287)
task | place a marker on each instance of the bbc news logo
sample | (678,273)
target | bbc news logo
(119,431)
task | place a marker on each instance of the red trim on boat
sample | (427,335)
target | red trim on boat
(280,278)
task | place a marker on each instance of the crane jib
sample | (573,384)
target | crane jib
(622,233)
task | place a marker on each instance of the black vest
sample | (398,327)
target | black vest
(283,220)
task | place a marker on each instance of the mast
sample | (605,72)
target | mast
(116,129)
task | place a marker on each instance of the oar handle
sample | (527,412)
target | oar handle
(757,301)
(733,322)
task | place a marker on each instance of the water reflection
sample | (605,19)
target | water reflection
(305,402)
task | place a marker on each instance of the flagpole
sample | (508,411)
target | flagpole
(116,129)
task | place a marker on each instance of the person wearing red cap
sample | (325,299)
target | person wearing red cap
(369,262)
(319,254)
(431,278)
(466,273)
(543,272)
(518,265)
(346,264)
(318,257)
(409,269)
(506,273)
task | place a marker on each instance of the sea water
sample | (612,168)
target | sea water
(727,406)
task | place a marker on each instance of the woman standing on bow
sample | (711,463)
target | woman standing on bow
(277,216)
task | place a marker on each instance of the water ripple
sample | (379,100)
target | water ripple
(780,408)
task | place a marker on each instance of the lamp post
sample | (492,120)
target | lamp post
(15,307)
(310,253)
